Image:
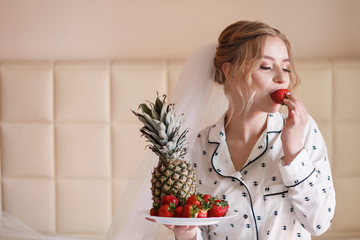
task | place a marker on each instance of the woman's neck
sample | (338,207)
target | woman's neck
(245,127)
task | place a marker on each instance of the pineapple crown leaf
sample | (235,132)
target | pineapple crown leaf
(159,103)
(144,108)
(148,126)
(150,136)
(162,128)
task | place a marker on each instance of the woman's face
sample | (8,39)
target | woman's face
(272,74)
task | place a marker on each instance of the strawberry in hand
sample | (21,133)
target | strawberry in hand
(279,95)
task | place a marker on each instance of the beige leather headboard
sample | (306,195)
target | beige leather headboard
(69,142)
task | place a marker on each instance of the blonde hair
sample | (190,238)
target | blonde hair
(241,44)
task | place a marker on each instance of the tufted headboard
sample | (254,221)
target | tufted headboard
(69,142)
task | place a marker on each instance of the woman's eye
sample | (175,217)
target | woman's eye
(286,70)
(265,68)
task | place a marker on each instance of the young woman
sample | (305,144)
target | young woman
(274,171)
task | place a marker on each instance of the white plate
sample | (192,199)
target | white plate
(186,221)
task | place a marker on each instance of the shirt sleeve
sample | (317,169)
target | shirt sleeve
(309,181)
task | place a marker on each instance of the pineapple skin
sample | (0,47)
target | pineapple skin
(177,178)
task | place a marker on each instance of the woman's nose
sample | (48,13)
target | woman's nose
(280,76)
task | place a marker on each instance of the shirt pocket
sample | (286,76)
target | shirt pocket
(275,190)
(276,201)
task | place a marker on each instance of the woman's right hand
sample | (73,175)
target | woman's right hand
(183,232)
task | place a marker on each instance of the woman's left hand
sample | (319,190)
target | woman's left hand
(183,232)
(294,127)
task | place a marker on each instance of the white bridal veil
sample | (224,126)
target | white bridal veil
(202,102)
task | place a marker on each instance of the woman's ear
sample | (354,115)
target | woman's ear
(226,68)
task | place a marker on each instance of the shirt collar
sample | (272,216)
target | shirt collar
(221,159)
(275,123)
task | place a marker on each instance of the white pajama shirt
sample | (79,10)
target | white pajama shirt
(272,201)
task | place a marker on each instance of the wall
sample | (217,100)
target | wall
(123,29)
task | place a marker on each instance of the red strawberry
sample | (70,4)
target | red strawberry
(219,209)
(154,211)
(178,211)
(279,95)
(202,214)
(190,211)
(194,200)
(204,208)
(167,210)
(207,198)
(169,199)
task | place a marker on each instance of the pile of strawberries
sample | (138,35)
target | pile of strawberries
(196,206)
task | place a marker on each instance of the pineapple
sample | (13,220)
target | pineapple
(173,174)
